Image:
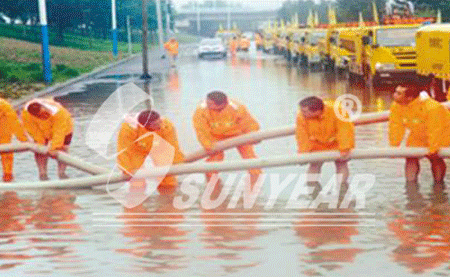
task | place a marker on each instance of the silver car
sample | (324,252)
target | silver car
(211,47)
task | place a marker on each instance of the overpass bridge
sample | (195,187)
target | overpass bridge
(206,21)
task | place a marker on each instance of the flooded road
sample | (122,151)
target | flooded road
(403,230)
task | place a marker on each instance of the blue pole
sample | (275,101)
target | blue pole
(114,27)
(114,36)
(46,62)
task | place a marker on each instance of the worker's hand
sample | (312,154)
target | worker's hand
(53,153)
(344,155)
(209,147)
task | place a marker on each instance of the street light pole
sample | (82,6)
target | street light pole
(145,74)
(160,30)
(167,20)
(114,27)
(130,51)
(198,18)
(228,15)
(46,62)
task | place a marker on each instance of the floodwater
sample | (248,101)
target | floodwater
(401,230)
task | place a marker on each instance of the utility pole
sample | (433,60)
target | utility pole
(167,20)
(130,50)
(160,30)
(114,27)
(145,74)
(198,17)
(228,15)
(46,62)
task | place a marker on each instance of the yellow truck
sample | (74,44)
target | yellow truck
(311,44)
(433,58)
(384,53)
(298,49)
(268,41)
(340,46)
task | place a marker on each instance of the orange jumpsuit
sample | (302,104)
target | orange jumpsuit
(214,126)
(258,41)
(172,47)
(10,125)
(55,129)
(233,46)
(325,133)
(427,120)
(244,44)
(133,150)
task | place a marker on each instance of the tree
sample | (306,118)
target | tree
(21,9)
(348,11)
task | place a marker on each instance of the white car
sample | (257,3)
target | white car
(211,47)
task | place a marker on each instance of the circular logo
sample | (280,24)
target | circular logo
(348,107)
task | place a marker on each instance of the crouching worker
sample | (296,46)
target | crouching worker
(429,124)
(10,125)
(319,129)
(48,123)
(137,141)
(218,119)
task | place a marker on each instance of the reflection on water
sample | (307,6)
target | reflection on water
(156,238)
(228,233)
(423,232)
(40,229)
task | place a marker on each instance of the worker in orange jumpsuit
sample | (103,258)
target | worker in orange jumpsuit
(244,44)
(429,124)
(48,123)
(258,41)
(171,47)
(219,118)
(136,142)
(10,125)
(319,129)
(234,46)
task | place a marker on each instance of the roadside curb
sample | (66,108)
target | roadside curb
(60,86)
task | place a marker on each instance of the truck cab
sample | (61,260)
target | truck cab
(385,52)
(312,39)
(433,58)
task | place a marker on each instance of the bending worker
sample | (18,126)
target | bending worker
(10,125)
(218,119)
(48,123)
(137,141)
(172,48)
(429,124)
(318,128)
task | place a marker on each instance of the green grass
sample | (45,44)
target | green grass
(21,65)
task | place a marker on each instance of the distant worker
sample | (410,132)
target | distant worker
(171,47)
(48,123)
(429,124)
(136,142)
(258,41)
(318,128)
(233,46)
(244,44)
(219,118)
(10,125)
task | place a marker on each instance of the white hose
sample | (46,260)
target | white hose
(286,160)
